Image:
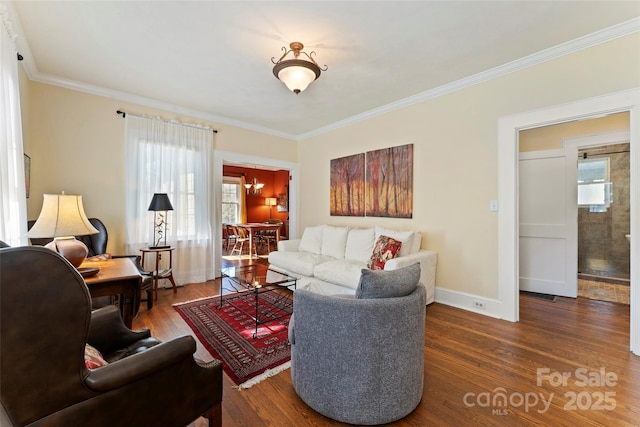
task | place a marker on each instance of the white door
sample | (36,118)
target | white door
(548,213)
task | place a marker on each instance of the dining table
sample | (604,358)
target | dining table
(254,228)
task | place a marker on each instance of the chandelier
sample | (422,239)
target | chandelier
(296,73)
(254,187)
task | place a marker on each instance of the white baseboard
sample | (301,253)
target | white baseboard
(477,304)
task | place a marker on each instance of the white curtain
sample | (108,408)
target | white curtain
(13,201)
(177,159)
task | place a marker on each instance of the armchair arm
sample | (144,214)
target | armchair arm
(289,245)
(107,332)
(137,366)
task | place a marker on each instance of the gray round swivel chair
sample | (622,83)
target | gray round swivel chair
(360,361)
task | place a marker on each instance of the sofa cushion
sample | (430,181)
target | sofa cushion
(417,242)
(334,240)
(343,272)
(360,244)
(312,240)
(406,237)
(301,263)
(385,249)
(388,284)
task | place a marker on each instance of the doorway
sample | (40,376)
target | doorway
(256,195)
(225,157)
(509,127)
(602,249)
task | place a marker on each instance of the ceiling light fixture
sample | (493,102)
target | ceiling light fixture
(254,187)
(296,73)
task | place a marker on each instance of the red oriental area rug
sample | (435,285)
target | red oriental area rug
(228,334)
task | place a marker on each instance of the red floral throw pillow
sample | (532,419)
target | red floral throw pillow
(386,248)
(92,357)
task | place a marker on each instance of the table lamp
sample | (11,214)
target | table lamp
(160,204)
(62,218)
(271,202)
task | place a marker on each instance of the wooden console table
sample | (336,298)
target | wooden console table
(118,276)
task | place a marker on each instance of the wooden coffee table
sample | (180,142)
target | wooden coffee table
(259,280)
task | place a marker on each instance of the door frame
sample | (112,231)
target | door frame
(508,153)
(220,157)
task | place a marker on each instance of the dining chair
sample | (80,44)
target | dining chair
(267,237)
(228,236)
(242,237)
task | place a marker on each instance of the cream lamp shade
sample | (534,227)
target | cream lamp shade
(62,217)
(270,201)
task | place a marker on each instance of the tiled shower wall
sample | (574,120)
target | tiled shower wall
(603,249)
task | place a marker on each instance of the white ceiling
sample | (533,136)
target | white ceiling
(212,59)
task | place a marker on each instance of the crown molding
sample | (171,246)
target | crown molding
(626,28)
(620,30)
(153,103)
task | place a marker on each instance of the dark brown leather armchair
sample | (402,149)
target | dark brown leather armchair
(45,322)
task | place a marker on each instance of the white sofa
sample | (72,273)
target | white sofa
(328,260)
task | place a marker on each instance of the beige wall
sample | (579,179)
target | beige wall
(550,137)
(76,144)
(455,149)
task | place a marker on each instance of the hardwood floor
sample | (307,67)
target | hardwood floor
(471,361)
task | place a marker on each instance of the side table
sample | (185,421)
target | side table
(116,277)
(158,274)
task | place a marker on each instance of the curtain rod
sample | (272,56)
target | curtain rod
(124,114)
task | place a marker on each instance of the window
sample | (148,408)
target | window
(187,194)
(177,159)
(230,201)
(181,189)
(594,189)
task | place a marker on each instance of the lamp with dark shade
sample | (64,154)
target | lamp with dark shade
(160,204)
(62,218)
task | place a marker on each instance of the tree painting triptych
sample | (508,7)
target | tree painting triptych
(377,183)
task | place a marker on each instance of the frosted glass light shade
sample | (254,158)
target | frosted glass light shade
(296,74)
(296,78)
